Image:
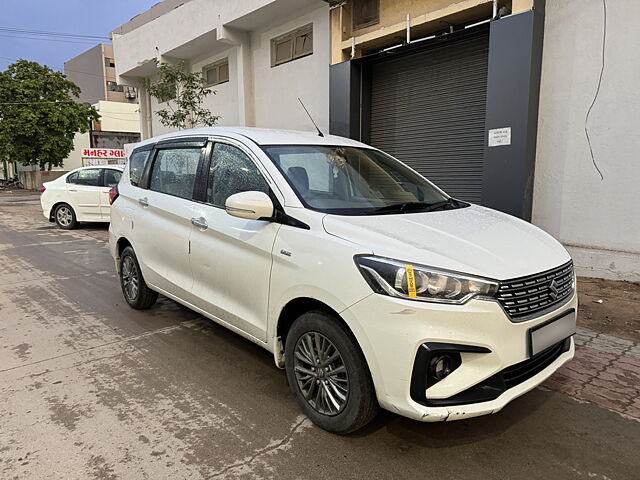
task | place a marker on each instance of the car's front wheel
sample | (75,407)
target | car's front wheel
(135,290)
(65,217)
(328,373)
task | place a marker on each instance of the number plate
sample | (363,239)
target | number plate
(543,336)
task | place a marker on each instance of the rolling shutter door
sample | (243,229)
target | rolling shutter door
(428,110)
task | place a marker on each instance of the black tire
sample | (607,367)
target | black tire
(361,405)
(134,289)
(65,217)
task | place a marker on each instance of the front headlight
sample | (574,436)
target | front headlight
(415,282)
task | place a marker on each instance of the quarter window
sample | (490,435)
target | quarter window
(73,178)
(174,171)
(216,73)
(231,172)
(137,163)
(111,177)
(90,177)
(293,45)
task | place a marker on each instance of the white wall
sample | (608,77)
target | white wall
(598,220)
(277,89)
(264,96)
(74,160)
(119,116)
(225,101)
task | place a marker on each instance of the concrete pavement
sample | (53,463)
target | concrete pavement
(92,389)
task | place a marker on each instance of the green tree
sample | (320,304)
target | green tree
(183,93)
(38,115)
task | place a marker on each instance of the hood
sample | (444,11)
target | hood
(473,240)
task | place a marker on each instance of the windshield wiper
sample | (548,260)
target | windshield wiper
(414,207)
(399,208)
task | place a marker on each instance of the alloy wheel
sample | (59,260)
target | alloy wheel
(64,216)
(129,278)
(321,373)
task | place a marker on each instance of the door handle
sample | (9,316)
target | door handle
(73,189)
(200,223)
(143,201)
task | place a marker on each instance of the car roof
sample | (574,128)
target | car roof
(114,166)
(260,136)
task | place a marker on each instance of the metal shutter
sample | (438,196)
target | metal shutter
(428,110)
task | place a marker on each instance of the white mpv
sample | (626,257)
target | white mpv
(370,285)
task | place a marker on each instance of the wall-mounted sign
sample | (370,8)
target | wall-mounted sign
(499,137)
(103,153)
(103,156)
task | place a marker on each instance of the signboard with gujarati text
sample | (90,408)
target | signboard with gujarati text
(103,156)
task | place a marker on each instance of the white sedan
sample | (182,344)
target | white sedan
(81,195)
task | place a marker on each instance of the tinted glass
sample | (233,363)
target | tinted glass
(90,177)
(137,163)
(232,172)
(73,178)
(174,171)
(111,177)
(349,180)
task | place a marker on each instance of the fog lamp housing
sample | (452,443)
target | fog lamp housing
(441,366)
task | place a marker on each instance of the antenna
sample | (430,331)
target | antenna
(311,118)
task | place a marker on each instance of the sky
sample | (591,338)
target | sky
(86,17)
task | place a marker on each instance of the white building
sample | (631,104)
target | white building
(258,55)
(598,220)
(371,74)
(119,124)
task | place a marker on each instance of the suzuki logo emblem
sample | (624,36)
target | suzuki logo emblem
(553,287)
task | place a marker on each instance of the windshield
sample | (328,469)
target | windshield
(355,181)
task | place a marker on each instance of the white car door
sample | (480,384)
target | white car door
(231,257)
(162,221)
(84,194)
(110,178)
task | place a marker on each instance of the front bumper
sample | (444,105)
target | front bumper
(391,333)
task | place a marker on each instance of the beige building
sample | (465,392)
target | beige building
(94,71)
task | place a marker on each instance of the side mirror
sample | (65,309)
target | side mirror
(250,205)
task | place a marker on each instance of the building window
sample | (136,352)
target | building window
(296,44)
(109,62)
(114,87)
(216,73)
(365,13)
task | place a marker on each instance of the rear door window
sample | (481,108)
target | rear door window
(232,171)
(111,177)
(73,178)
(89,177)
(137,164)
(174,171)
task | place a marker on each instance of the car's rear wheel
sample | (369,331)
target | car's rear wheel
(135,290)
(328,373)
(65,217)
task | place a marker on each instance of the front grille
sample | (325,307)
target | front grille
(536,294)
(518,373)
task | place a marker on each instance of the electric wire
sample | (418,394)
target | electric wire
(595,97)
(87,42)
(22,31)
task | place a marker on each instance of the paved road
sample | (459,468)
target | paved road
(92,389)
